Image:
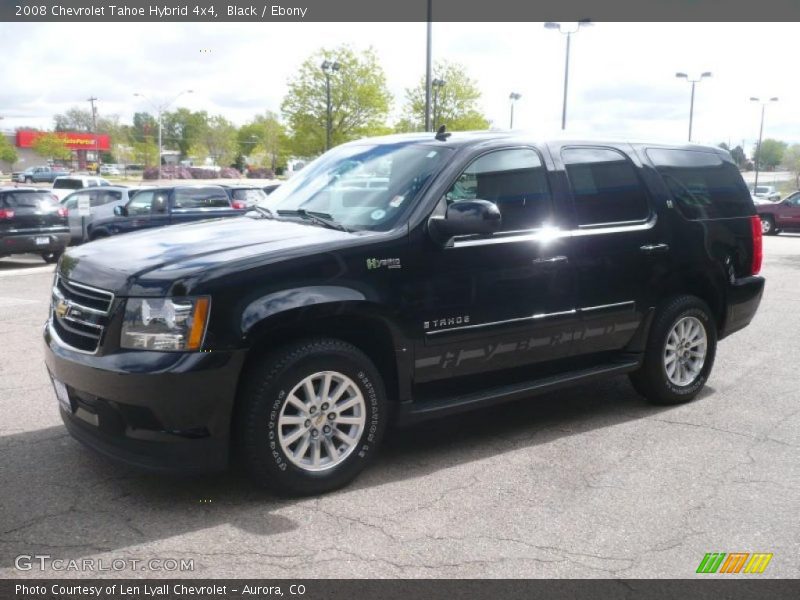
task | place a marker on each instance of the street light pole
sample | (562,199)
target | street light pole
(760,135)
(428,68)
(568,32)
(513,96)
(328,67)
(437,85)
(91,101)
(691,102)
(160,108)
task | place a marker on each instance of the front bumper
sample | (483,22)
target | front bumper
(156,410)
(27,242)
(744,297)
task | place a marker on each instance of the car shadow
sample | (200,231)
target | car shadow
(61,498)
(23,261)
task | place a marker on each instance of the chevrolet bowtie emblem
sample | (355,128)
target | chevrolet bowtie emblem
(62,308)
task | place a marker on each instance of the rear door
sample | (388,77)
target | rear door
(197,203)
(788,215)
(620,245)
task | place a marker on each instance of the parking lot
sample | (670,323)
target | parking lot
(586,482)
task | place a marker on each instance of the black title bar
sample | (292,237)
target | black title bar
(397,10)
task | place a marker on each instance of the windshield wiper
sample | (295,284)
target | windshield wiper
(263,211)
(318,218)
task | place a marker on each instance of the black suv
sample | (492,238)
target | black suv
(31,221)
(402,278)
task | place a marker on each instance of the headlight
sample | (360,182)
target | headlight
(167,324)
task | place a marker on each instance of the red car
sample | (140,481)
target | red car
(780,216)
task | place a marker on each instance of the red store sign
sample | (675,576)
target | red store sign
(74,141)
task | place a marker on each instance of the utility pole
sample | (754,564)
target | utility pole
(760,136)
(91,101)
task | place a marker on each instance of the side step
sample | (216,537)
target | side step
(428,409)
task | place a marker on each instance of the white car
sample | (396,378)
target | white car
(65,185)
(766,192)
(110,170)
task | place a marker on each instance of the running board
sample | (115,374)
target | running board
(429,409)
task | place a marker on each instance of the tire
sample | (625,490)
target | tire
(51,257)
(653,380)
(768,225)
(273,393)
(99,235)
(28,180)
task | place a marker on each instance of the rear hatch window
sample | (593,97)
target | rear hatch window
(703,185)
(68,184)
(30,199)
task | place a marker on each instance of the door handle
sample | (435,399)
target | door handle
(553,260)
(655,248)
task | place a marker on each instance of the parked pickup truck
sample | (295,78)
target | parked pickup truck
(156,207)
(40,174)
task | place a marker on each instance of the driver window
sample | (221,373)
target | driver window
(515,180)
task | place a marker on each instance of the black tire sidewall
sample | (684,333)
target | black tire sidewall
(771,222)
(267,460)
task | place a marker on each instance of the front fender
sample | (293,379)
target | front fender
(263,308)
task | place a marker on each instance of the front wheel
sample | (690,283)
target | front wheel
(768,225)
(679,354)
(311,416)
(51,257)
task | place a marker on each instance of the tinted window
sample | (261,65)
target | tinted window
(67,184)
(703,185)
(29,199)
(140,205)
(201,198)
(104,197)
(604,186)
(514,180)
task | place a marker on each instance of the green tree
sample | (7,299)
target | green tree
(770,154)
(737,154)
(183,129)
(457,102)
(74,119)
(145,152)
(360,100)
(791,161)
(145,126)
(8,153)
(265,141)
(218,140)
(51,146)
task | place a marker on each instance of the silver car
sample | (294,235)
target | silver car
(102,201)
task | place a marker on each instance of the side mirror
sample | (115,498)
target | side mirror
(469,217)
(121,211)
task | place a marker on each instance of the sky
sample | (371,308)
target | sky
(622,75)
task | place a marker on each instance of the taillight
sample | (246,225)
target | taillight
(238,204)
(758,245)
(6,214)
(62,211)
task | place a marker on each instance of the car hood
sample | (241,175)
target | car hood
(167,259)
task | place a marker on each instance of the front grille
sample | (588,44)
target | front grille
(80,314)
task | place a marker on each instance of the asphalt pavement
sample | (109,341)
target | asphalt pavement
(587,482)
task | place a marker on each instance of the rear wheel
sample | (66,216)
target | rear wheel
(311,416)
(768,225)
(28,180)
(680,352)
(51,257)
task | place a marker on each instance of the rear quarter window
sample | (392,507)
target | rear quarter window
(201,198)
(703,185)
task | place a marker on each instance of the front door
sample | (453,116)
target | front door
(485,303)
(788,215)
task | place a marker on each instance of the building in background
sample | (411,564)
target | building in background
(84,146)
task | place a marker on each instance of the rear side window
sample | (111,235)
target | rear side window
(703,185)
(201,198)
(101,198)
(604,186)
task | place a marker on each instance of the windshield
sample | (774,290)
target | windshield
(361,186)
